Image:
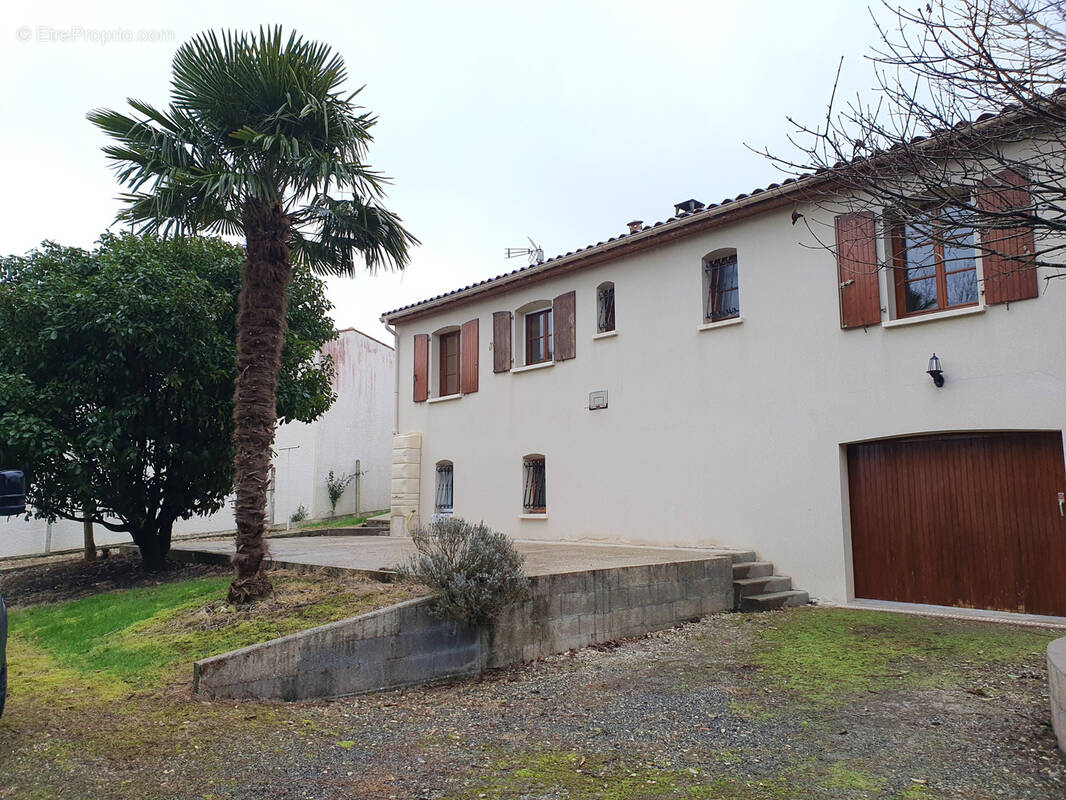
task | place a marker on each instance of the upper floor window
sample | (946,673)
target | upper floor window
(449,363)
(534,497)
(605,307)
(442,503)
(721,287)
(538,328)
(935,260)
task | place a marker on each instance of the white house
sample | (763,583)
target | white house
(356,429)
(722,378)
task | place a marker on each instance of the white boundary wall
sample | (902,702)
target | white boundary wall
(359,425)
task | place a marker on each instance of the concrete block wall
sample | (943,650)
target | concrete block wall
(576,609)
(1056,671)
(406,644)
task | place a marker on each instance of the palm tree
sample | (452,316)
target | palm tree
(258,140)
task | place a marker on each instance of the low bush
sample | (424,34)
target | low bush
(335,486)
(476,571)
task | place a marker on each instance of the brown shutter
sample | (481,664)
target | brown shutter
(860,299)
(501,341)
(1009,271)
(421,367)
(468,357)
(564,309)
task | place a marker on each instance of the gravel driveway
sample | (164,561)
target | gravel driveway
(818,703)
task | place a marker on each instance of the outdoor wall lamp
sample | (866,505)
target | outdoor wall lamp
(935,372)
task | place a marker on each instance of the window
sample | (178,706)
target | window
(449,363)
(442,503)
(605,307)
(935,260)
(538,336)
(721,287)
(533,496)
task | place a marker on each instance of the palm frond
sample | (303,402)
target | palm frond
(329,234)
(257,117)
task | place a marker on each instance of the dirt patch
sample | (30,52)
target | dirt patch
(69,579)
(301,594)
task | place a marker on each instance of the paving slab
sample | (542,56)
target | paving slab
(385,552)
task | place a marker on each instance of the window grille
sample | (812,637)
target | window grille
(723,292)
(443,502)
(605,321)
(533,496)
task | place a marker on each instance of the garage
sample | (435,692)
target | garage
(966,519)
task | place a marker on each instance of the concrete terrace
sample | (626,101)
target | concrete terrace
(385,552)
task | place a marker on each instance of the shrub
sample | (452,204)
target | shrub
(476,570)
(299,515)
(336,485)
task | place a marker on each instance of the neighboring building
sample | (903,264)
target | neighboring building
(357,428)
(716,379)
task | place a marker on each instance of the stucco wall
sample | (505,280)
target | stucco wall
(359,425)
(733,435)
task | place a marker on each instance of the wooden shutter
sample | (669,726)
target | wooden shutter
(1009,271)
(421,367)
(564,309)
(860,298)
(501,341)
(468,357)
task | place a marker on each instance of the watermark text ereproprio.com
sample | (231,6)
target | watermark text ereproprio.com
(73,34)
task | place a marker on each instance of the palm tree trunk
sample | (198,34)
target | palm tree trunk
(260,332)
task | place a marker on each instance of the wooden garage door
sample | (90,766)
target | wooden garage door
(967,520)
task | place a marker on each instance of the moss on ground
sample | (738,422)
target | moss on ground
(825,656)
(597,776)
(578,776)
(852,778)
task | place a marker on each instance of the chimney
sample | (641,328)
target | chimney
(636,226)
(688,206)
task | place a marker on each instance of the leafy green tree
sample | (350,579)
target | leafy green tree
(116,378)
(259,139)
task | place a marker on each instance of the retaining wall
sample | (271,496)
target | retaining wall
(1056,671)
(405,644)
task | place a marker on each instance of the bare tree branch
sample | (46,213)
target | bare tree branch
(969,94)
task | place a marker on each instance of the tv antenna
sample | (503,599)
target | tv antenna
(535,253)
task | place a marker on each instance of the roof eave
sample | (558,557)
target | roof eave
(624,245)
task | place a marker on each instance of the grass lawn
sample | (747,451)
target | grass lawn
(147,635)
(807,703)
(334,522)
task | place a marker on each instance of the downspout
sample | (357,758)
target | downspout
(395,409)
(396,378)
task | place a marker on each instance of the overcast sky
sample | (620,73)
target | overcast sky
(556,120)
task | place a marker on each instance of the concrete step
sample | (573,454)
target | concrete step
(771,600)
(742,556)
(746,587)
(752,569)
